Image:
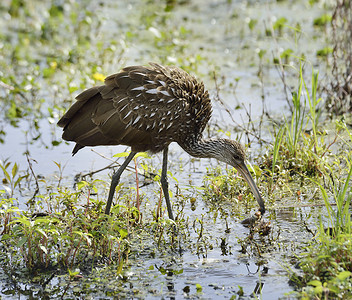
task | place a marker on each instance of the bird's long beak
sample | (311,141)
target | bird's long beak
(242,168)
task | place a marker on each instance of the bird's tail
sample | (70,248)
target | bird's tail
(76,149)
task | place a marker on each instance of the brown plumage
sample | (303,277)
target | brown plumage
(147,108)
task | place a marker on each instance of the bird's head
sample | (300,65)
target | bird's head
(233,154)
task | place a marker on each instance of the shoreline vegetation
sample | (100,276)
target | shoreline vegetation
(56,240)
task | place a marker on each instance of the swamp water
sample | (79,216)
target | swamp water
(216,37)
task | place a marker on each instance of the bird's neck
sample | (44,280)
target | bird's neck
(203,148)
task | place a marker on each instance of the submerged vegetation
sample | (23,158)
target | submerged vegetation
(56,240)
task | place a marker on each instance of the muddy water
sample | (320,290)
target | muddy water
(218,32)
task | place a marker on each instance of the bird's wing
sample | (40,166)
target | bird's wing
(143,99)
(143,107)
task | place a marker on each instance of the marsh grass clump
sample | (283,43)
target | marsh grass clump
(327,264)
(327,269)
(303,163)
(301,145)
(64,234)
(226,189)
(68,235)
(302,148)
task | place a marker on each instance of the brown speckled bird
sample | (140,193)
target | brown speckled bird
(147,108)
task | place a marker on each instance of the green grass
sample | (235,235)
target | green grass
(302,151)
(327,263)
(299,146)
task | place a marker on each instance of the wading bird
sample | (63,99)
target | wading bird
(147,108)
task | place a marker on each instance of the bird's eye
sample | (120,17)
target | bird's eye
(236,157)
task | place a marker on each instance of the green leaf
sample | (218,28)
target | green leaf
(287,53)
(6,173)
(145,167)
(333,289)
(23,220)
(315,283)
(21,242)
(85,236)
(322,20)
(178,272)
(343,275)
(280,23)
(123,233)
(199,288)
(72,274)
(123,154)
(119,268)
(19,179)
(346,185)
(318,289)
(324,52)
(43,249)
(5,237)
(143,154)
(82,184)
(48,72)
(42,232)
(72,89)
(14,170)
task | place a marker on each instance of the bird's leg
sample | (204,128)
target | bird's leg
(165,185)
(115,180)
